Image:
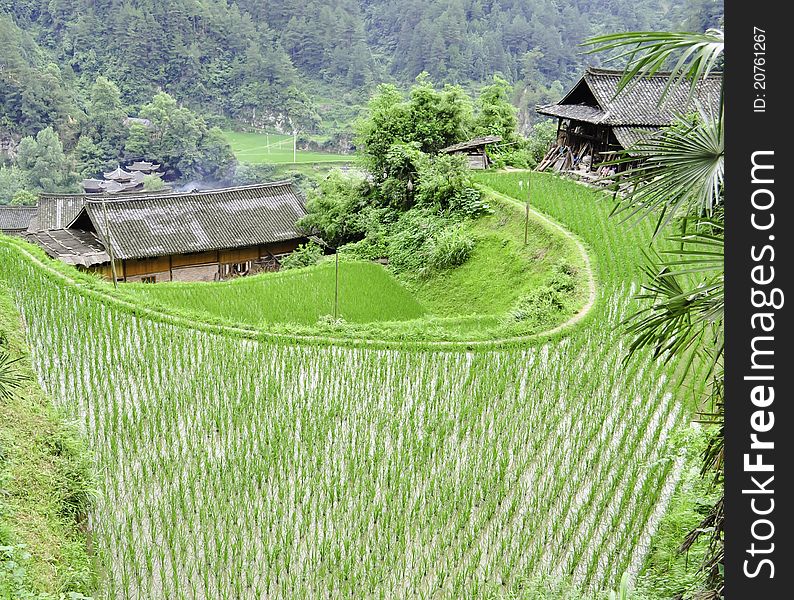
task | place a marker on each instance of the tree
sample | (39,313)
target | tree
(44,163)
(89,157)
(138,145)
(427,121)
(106,116)
(24,198)
(497,116)
(12,180)
(681,181)
(181,141)
(218,160)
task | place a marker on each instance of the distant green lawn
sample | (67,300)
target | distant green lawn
(367,293)
(259,148)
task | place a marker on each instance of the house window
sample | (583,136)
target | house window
(235,269)
(149,279)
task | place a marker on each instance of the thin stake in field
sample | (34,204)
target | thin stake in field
(526,216)
(336,276)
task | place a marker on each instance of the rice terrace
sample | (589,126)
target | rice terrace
(366,300)
(240,463)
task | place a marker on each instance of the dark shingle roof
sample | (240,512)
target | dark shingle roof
(638,104)
(629,136)
(72,246)
(14,219)
(161,224)
(56,211)
(476,142)
(577,112)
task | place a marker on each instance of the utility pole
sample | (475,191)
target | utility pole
(294,145)
(109,243)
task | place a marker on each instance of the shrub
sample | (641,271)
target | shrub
(544,302)
(304,255)
(334,209)
(450,248)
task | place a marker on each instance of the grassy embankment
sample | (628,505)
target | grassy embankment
(470,300)
(45,482)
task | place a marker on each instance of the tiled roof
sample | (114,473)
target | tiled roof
(476,142)
(577,112)
(639,103)
(72,246)
(16,218)
(161,224)
(629,136)
(56,211)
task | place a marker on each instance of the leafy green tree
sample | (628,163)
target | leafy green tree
(217,158)
(44,163)
(106,116)
(496,115)
(12,180)
(395,128)
(24,198)
(334,209)
(89,158)
(181,141)
(138,145)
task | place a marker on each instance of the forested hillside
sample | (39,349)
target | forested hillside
(291,63)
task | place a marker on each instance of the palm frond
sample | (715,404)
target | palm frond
(685,293)
(10,377)
(681,171)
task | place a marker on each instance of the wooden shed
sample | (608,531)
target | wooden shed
(196,236)
(474,150)
(595,121)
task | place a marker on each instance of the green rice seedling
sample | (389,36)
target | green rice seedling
(237,465)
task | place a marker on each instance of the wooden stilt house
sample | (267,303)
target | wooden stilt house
(595,121)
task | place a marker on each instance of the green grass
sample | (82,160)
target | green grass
(230,463)
(501,268)
(275,148)
(469,301)
(367,292)
(45,476)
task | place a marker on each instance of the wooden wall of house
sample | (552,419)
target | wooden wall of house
(199,266)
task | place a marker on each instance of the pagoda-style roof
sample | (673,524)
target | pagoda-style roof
(119,174)
(595,99)
(92,185)
(143,166)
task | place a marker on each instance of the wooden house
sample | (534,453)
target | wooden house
(14,220)
(474,150)
(196,236)
(594,121)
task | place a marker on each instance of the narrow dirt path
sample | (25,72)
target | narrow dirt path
(591,284)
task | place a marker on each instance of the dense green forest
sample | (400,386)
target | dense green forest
(291,63)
